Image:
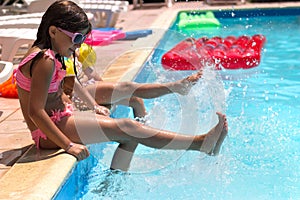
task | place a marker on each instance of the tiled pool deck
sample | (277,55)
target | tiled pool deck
(28,174)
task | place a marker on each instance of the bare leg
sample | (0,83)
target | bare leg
(213,136)
(110,93)
(137,105)
(124,153)
(221,139)
(123,156)
(183,86)
(206,143)
(87,128)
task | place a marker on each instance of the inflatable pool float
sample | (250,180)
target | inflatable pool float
(102,38)
(133,35)
(130,35)
(232,52)
(196,21)
(8,89)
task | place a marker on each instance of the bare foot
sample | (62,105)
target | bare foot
(212,137)
(220,141)
(184,86)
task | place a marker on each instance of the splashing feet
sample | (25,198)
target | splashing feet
(213,140)
(219,143)
(184,86)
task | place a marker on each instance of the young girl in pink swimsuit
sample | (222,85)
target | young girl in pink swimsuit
(49,115)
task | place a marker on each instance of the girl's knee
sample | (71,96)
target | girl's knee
(129,125)
(126,85)
(129,146)
(136,101)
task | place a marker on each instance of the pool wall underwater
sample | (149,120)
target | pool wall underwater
(73,186)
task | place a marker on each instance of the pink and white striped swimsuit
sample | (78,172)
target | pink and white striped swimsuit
(25,83)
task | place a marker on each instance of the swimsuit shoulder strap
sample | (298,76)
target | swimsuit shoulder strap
(34,59)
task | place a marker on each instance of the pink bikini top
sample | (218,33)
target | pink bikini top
(58,74)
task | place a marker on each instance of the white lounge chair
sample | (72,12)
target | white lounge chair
(21,23)
(104,2)
(33,6)
(12,39)
(22,16)
(25,6)
(31,20)
(7,6)
(224,2)
(105,12)
(102,13)
(141,3)
(6,70)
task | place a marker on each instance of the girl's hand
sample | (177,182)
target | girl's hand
(101,110)
(79,151)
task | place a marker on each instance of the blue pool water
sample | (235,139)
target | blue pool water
(259,158)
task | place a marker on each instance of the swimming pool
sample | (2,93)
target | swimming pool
(259,158)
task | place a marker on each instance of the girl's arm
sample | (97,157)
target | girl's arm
(86,97)
(91,73)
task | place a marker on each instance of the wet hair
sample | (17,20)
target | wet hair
(64,14)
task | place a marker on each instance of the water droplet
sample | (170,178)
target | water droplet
(267,98)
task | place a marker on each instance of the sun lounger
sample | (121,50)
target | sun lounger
(6,70)
(29,20)
(102,13)
(22,16)
(141,3)
(104,2)
(12,39)
(33,6)
(25,6)
(20,23)
(224,2)
(7,6)
(105,12)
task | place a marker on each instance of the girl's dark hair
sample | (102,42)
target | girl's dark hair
(64,14)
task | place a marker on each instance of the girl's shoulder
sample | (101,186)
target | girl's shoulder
(36,53)
(45,57)
(48,55)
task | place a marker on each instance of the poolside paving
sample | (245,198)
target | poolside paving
(41,172)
